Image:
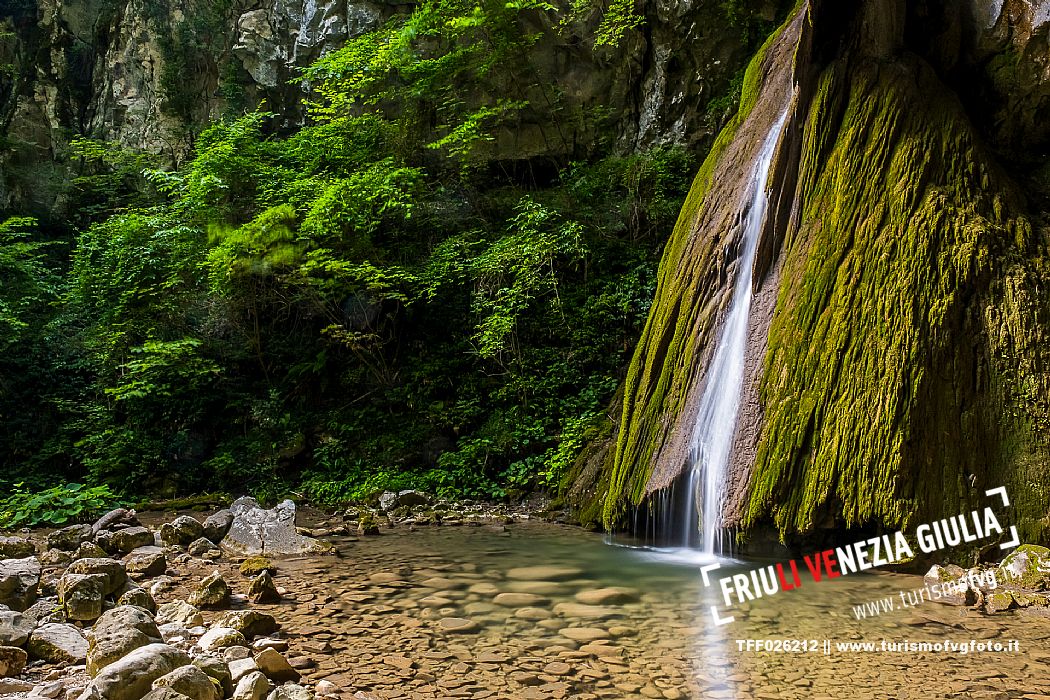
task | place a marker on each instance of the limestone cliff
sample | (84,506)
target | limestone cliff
(897,365)
(148,74)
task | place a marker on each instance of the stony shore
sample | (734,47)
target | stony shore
(418,600)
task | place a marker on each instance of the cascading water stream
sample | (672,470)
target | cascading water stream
(720,402)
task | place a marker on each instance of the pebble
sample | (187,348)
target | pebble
(519,600)
(458,624)
(544,573)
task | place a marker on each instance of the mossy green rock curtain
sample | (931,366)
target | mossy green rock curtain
(901,366)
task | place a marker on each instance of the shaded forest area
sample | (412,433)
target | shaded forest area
(370,301)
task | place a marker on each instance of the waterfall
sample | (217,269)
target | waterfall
(720,402)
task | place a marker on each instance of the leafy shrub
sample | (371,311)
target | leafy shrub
(57,505)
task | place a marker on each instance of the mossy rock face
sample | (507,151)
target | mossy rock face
(874,399)
(1000,601)
(905,365)
(665,375)
(1027,567)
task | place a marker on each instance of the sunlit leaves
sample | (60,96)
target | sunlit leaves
(161,369)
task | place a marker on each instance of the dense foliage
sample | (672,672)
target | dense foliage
(57,505)
(375,300)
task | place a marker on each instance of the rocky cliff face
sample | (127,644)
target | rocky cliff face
(896,368)
(148,74)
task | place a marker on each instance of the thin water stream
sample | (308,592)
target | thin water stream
(720,401)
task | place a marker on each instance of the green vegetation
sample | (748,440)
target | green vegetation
(906,228)
(383,298)
(54,506)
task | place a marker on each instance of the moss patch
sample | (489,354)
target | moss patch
(884,390)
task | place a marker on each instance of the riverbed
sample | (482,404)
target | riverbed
(536,610)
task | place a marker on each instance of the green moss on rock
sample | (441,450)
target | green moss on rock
(253,566)
(689,289)
(881,395)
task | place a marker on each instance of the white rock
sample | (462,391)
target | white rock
(220,638)
(254,686)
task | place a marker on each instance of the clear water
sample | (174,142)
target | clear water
(720,402)
(384,602)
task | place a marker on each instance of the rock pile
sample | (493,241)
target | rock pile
(84,606)
(1021,581)
(410,508)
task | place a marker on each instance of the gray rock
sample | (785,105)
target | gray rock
(89,550)
(262,589)
(181,531)
(82,595)
(113,570)
(16,548)
(15,628)
(326,689)
(69,538)
(220,638)
(216,669)
(270,643)
(217,525)
(104,541)
(258,49)
(146,562)
(1027,567)
(19,579)
(58,643)
(960,592)
(236,653)
(12,661)
(50,690)
(201,546)
(250,623)
(254,686)
(131,538)
(173,632)
(132,677)
(164,694)
(256,530)
(411,497)
(239,668)
(181,612)
(275,666)
(139,597)
(116,519)
(119,632)
(191,682)
(161,585)
(291,691)
(12,686)
(388,500)
(213,592)
(45,610)
(55,558)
